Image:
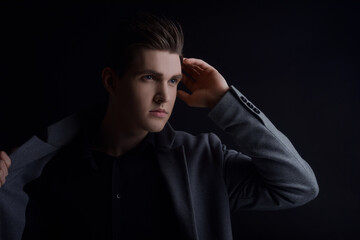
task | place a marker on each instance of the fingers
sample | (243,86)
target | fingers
(5,163)
(192,100)
(193,69)
(5,157)
(192,72)
(183,96)
(3,172)
(3,167)
(196,62)
(188,81)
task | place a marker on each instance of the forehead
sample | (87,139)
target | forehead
(157,60)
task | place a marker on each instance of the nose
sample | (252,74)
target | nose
(162,93)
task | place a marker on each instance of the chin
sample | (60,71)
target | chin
(156,127)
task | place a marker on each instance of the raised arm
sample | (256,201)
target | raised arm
(268,173)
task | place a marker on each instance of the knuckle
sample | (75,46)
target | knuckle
(3,165)
(8,163)
(5,158)
(3,155)
(5,171)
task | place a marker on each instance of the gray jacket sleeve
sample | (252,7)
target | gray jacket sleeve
(267,173)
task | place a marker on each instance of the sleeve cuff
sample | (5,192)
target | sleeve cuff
(234,100)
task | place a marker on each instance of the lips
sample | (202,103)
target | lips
(159,110)
(159,113)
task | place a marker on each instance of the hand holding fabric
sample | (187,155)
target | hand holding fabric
(5,163)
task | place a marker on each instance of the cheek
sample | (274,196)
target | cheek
(173,96)
(142,97)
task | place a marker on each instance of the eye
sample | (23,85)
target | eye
(148,77)
(173,81)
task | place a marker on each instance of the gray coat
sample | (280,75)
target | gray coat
(207,182)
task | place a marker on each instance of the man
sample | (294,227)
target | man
(122,172)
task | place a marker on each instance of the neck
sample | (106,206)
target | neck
(115,137)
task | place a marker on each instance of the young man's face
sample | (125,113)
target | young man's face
(144,97)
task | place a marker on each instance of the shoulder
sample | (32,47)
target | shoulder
(170,138)
(199,142)
(200,150)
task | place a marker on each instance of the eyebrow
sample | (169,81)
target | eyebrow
(157,74)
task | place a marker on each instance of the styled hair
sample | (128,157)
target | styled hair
(142,31)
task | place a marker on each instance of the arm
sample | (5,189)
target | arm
(275,175)
(272,175)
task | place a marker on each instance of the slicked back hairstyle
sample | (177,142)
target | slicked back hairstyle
(142,31)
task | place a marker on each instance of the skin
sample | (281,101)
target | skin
(5,163)
(149,84)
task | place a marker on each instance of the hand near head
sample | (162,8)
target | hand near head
(206,84)
(5,163)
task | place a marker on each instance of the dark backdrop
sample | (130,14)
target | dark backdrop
(297,62)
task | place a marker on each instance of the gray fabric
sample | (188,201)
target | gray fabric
(207,181)
(27,163)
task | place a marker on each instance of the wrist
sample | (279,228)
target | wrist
(218,96)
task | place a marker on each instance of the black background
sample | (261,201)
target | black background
(298,62)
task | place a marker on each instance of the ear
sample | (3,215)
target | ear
(108,78)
